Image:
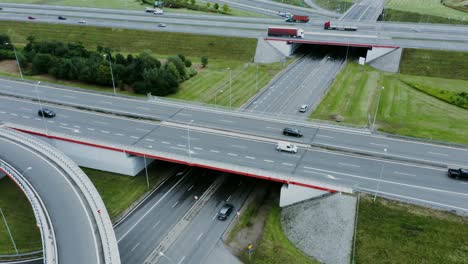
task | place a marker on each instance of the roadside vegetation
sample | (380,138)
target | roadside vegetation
(117,191)
(460,5)
(20,218)
(403,109)
(423,11)
(340,6)
(392,232)
(300,3)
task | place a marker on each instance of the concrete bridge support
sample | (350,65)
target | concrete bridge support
(293,194)
(385,59)
(269,51)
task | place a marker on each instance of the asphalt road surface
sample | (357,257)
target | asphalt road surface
(364,10)
(340,138)
(426,185)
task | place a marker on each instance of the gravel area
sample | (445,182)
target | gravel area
(322,228)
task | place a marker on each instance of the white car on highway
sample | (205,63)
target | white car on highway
(286,146)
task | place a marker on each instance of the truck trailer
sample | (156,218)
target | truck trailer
(297,18)
(286,32)
(332,26)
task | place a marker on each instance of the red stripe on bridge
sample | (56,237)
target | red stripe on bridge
(346,44)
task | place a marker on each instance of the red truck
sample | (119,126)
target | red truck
(297,18)
(332,26)
(286,32)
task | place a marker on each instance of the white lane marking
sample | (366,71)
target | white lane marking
(26,117)
(118,134)
(99,122)
(270,161)
(351,165)
(142,108)
(385,181)
(13,114)
(197,148)
(237,146)
(92,129)
(227,200)
(183,114)
(226,121)
(77,126)
(181,260)
(402,173)
(324,136)
(69,96)
(105,102)
(184,149)
(152,207)
(191,187)
(199,236)
(180,145)
(38,119)
(105,132)
(135,246)
(174,205)
(144,130)
(248,157)
(191,138)
(50,121)
(436,153)
(377,144)
(214,151)
(165,142)
(214,217)
(63,124)
(149,139)
(232,154)
(2,112)
(157,223)
(331,177)
(134,137)
(287,164)
(27,109)
(273,128)
(64,116)
(149,146)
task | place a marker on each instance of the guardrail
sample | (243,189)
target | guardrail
(49,245)
(86,188)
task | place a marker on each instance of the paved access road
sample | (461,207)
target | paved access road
(304,83)
(427,185)
(237,122)
(74,233)
(364,10)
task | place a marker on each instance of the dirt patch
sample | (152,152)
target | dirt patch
(9,66)
(251,232)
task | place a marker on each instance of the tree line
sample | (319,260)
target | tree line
(72,61)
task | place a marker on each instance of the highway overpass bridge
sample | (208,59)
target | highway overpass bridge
(243,144)
(74,223)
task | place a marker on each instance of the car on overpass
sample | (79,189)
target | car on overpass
(458,173)
(44,112)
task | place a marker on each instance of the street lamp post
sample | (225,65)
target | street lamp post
(112,73)
(380,176)
(188,139)
(256,79)
(377,109)
(146,171)
(40,107)
(230,88)
(163,255)
(17,61)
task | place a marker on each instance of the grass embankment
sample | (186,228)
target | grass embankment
(460,5)
(128,5)
(117,191)
(209,85)
(404,16)
(429,8)
(391,232)
(335,5)
(403,109)
(293,2)
(20,219)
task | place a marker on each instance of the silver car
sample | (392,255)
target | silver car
(303,108)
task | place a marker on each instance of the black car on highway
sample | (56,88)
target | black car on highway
(225,211)
(292,132)
(458,173)
(46,113)
(62,18)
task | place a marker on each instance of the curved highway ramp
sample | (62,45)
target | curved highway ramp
(74,222)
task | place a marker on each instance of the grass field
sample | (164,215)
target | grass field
(212,85)
(293,2)
(428,7)
(274,247)
(390,232)
(123,4)
(334,5)
(157,42)
(404,16)
(435,63)
(403,110)
(20,218)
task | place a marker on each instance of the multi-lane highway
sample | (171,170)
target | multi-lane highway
(364,10)
(428,185)
(389,34)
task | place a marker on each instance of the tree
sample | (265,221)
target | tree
(120,59)
(208,4)
(225,8)
(4,38)
(181,56)
(180,66)
(41,63)
(193,2)
(188,63)
(204,61)
(172,69)
(216,6)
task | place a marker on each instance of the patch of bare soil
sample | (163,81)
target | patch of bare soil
(8,66)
